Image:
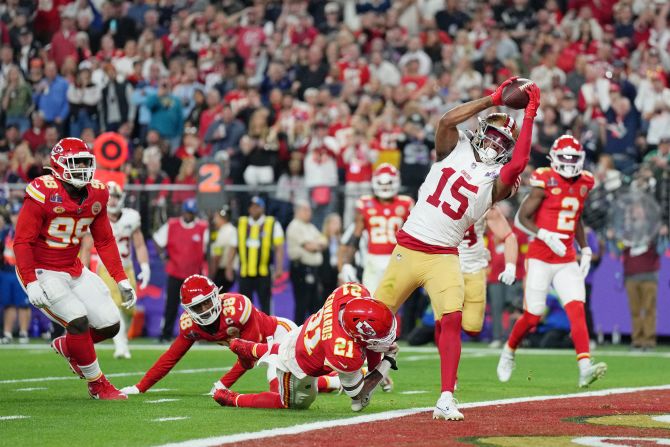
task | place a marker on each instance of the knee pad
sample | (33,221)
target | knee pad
(78,325)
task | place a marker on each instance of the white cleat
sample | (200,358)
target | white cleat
(387,385)
(506,366)
(446,409)
(593,373)
(122,354)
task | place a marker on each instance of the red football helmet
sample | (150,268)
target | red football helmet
(386,181)
(567,156)
(200,297)
(370,322)
(73,162)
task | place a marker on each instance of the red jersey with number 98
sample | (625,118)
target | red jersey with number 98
(51,225)
(560,210)
(383,220)
(323,346)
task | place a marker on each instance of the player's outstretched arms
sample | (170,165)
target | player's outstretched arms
(507,182)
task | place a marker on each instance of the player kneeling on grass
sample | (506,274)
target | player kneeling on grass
(552,213)
(218,318)
(350,328)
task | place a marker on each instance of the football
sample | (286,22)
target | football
(513,95)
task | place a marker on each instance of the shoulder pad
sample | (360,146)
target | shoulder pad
(37,189)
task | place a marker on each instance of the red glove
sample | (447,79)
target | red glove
(533,92)
(496,97)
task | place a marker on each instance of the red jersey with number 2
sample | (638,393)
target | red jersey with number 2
(51,225)
(383,220)
(323,346)
(560,210)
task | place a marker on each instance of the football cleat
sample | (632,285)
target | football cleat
(446,408)
(101,389)
(23,338)
(60,346)
(593,373)
(506,365)
(244,350)
(387,384)
(226,397)
(122,354)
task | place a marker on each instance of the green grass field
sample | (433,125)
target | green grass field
(37,384)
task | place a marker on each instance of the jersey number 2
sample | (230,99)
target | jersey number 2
(566,217)
(459,183)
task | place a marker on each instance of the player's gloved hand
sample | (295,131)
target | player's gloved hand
(553,241)
(217,386)
(145,275)
(36,295)
(508,276)
(585,262)
(496,97)
(533,92)
(128,295)
(130,390)
(348,273)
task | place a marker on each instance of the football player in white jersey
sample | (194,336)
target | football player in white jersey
(126,224)
(467,178)
(474,258)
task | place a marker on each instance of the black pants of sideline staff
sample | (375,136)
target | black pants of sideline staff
(262,285)
(171,307)
(305,281)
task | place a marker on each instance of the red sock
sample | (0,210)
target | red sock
(580,335)
(274,385)
(449,348)
(522,326)
(80,347)
(261,400)
(96,335)
(436,335)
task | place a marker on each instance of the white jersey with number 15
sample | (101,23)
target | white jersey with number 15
(456,193)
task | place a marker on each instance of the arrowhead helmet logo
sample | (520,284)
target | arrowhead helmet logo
(364,328)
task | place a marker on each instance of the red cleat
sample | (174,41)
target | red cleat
(103,390)
(245,352)
(60,346)
(226,397)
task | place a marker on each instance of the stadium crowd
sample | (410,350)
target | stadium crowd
(310,96)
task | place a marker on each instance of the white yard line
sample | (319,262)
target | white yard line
(413,392)
(37,388)
(386,415)
(11,418)
(160,401)
(167,419)
(159,390)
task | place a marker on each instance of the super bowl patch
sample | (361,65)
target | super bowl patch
(56,198)
(552,182)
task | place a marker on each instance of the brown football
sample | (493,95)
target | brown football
(513,96)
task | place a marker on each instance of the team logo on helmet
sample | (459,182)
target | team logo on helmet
(364,328)
(57,149)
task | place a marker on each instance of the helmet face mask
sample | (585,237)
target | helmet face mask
(200,299)
(72,162)
(495,138)
(567,157)
(385,181)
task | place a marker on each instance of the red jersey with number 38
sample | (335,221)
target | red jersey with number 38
(51,225)
(323,346)
(383,220)
(560,210)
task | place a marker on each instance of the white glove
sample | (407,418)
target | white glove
(36,295)
(508,276)
(217,386)
(585,262)
(348,273)
(128,296)
(130,390)
(145,275)
(553,241)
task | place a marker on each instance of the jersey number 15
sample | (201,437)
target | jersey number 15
(459,183)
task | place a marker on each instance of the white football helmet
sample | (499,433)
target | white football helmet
(386,181)
(116,197)
(567,156)
(495,138)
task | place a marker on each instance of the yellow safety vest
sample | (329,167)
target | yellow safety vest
(254,252)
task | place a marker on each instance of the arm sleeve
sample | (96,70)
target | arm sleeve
(165,363)
(521,155)
(105,244)
(231,376)
(31,218)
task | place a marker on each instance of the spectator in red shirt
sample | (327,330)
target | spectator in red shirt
(64,42)
(35,134)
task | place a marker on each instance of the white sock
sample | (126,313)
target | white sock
(333,382)
(446,395)
(91,372)
(584,365)
(121,339)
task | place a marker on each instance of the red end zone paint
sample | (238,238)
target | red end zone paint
(552,418)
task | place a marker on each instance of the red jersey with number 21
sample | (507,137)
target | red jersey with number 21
(383,220)
(323,346)
(560,210)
